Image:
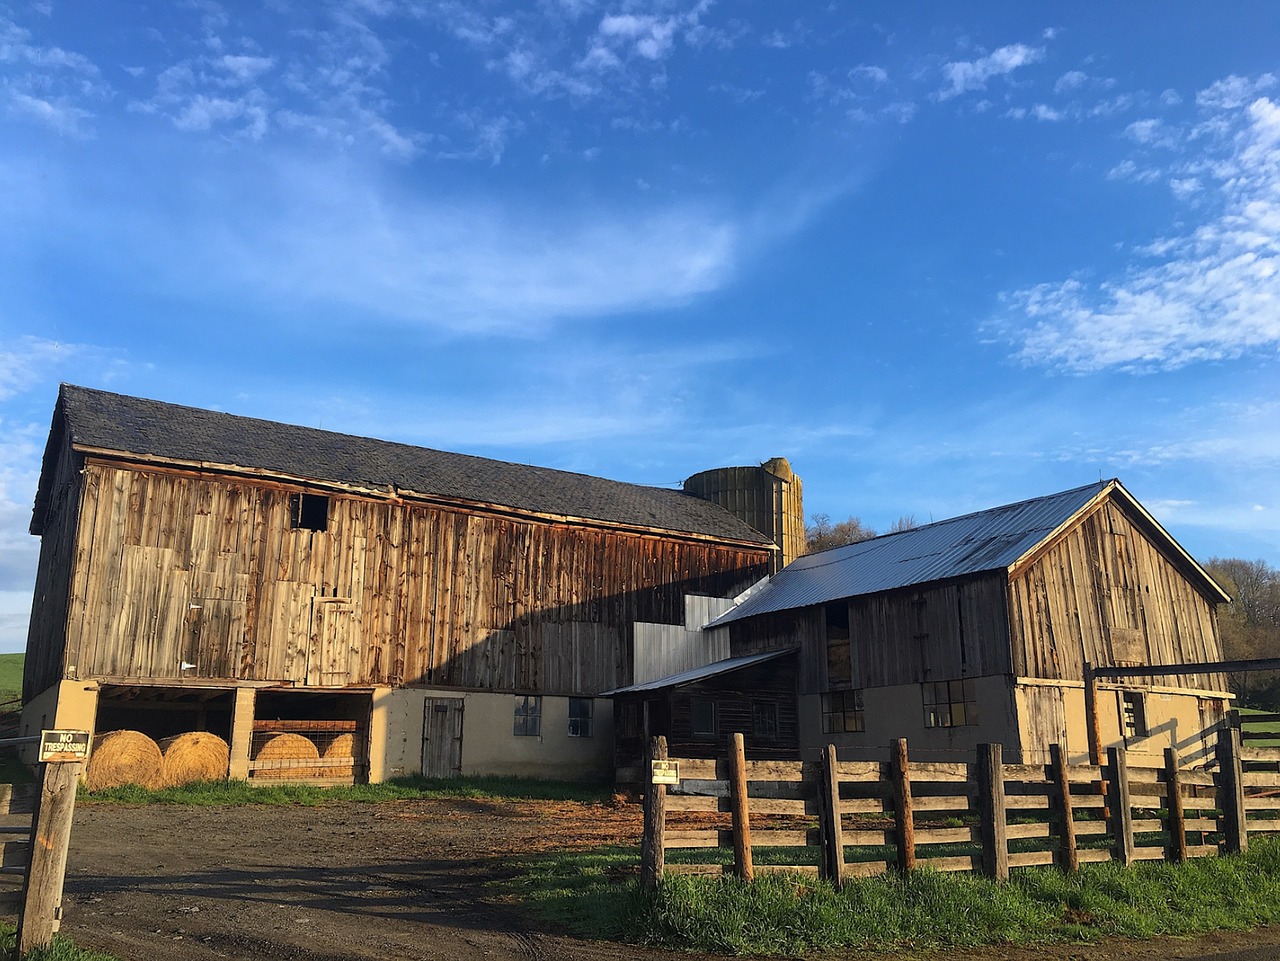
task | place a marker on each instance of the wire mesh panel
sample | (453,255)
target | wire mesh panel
(307,750)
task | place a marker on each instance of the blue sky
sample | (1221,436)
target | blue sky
(942,257)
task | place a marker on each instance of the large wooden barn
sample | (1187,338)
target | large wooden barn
(202,571)
(979,629)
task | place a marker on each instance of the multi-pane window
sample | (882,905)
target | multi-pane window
(703,717)
(580,715)
(764,720)
(950,703)
(528,721)
(842,712)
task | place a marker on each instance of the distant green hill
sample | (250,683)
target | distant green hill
(11,676)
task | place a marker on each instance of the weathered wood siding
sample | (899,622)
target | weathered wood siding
(1105,594)
(175,567)
(46,635)
(941,632)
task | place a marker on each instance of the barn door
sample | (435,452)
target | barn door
(442,737)
(334,658)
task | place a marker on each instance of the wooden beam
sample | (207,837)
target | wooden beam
(1069,854)
(742,864)
(42,890)
(1173,804)
(1201,667)
(991,801)
(829,818)
(903,812)
(652,848)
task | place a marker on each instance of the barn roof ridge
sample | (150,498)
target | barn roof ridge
(994,539)
(107,421)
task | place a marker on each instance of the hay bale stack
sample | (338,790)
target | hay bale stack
(287,747)
(341,748)
(194,756)
(123,757)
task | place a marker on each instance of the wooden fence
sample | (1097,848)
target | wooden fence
(840,819)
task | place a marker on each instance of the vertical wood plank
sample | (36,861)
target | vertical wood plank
(903,809)
(1177,825)
(995,840)
(652,855)
(829,814)
(1121,810)
(1068,854)
(1231,791)
(742,865)
(42,889)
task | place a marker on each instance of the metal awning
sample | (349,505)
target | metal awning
(701,673)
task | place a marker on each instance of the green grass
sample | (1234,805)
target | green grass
(597,895)
(218,793)
(11,676)
(1268,727)
(62,949)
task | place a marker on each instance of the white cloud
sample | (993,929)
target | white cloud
(1233,92)
(877,75)
(1209,293)
(1071,80)
(965,76)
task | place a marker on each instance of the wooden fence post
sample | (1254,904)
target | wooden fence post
(1235,828)
(1069,854)
(903,809)
(742,865)
(652,847)
(829,818)
(50,837)
(1121,811)
(1173,804)
(1093,723)
(994,827)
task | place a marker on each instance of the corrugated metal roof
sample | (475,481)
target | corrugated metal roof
(989,540)
(134,425)
(700,673)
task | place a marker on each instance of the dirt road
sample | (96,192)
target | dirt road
(387,882)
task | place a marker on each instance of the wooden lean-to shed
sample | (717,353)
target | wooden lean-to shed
(979,628)
(200,570)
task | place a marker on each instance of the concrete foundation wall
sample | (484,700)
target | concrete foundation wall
(488,744)
(898,711)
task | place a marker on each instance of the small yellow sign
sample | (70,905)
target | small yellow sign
(63,746)
(665,772)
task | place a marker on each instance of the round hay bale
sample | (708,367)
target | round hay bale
(123,757)
(283,748)
(341,748)
(194,756)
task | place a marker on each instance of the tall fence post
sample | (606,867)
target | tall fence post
(742,865)
(1173,804)
(829,817)
(1120,802)
(50,838)
(1069,853)
(995,831)
(1235,828)
(903,809)
(1093,723)
(652,847)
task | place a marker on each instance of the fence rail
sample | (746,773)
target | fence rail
(839,819)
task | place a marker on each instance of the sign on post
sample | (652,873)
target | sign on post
(63,746)
(664,772)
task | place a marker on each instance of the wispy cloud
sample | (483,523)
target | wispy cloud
(1209,293)
(964,76)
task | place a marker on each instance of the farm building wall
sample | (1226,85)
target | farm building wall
(1105,594)
(488,743)
(938,632)
(1144,720)
(65,706)
(216,573)
(43,666)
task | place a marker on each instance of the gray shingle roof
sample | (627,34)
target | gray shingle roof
(989,540)
(132,425)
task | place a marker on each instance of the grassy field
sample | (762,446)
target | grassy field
(11,676)
(1248,723)
(788,915)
